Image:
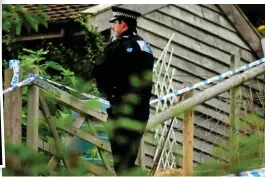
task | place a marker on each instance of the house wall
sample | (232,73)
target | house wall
(203,43)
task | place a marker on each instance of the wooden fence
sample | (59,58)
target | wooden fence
(38,110)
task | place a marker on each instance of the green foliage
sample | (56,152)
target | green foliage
(33,163)
(79,54)
(15,17)
(242,153)
(16,20)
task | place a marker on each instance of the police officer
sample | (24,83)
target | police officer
(124,74)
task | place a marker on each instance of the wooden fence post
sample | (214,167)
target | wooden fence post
(234,104)
(32,116)
(262,154)
(12,110)
(188,131)
(12,115)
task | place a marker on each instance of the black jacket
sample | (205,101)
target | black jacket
(126,57)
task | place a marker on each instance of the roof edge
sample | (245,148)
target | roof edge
(97,9)
(101,19)
(246,30)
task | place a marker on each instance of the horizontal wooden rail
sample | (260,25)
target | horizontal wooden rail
(205,95)
(81,134)
(72,102)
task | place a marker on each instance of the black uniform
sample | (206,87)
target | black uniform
(126,57)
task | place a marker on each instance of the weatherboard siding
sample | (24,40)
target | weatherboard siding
(203,43)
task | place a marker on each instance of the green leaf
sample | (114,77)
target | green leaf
(27,62)
(54,65)
(41,7)
(135,81)
(19,24)
(20,8)
(31,21)
(28,26)
(29,51)
(6,25)
(50,140)
(42,52)
(7,7)
(44,15)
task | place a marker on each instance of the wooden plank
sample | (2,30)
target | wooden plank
(205,95)
(198,34)
(216,107)
(98,170)
(212,7)
(185,41)
(12,109)
(47,147)
(198,144)
(71,102)
(91,167)
(85,136)
(203,24)
(217,18)
(188,69)
(202,151)
(142,154)
(101,20)
(263,46)
(150,149)
(78,123)
(262,153)
(207,14)
(12,116)
(45,36)
(53,162)
(195,9)
(182,53)
(203,121)
(202,133)
(235,101)
(182,77)
(51,123)
(101,152)
(32,117)
(188,132)
(246,30)
(69,139)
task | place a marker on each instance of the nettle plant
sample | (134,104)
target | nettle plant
(36,62)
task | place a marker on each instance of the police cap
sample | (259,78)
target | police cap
(122,13)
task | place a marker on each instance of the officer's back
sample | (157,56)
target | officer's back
(133,59)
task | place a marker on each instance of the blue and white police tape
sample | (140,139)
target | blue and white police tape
(69,88)
(208,81)
(175,93)
(20,84)
(251,173)
(15,65)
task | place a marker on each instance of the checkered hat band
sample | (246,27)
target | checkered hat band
(118,14)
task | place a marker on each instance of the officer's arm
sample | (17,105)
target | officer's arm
(106,71)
